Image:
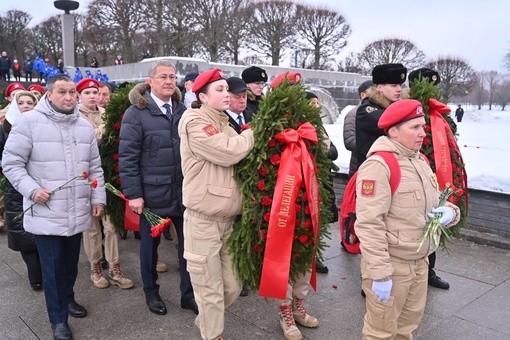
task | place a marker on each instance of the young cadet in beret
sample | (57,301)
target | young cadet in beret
(10,91)
(390,226)
(88,92)
(255,78)
(210,148)
(37,90)
(188,96)
(388,79)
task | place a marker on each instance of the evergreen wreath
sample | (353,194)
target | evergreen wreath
(284,107)
(109,151)
(422,90)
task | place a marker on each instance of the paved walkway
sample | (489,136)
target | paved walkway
(477,306)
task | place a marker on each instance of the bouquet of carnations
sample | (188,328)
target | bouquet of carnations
(158,223)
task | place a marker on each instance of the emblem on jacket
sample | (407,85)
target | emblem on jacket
(210,130)
(371,109)
(368,187)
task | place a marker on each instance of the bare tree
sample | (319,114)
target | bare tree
(351,64)
(46,39)
(99,42)
(123,17)
(238,29)
(506,60)
(492,78)
(457,77)
(391,50)
(324,30)
(212,22)
(503,94)
(13,33)
(273,28)
(479,89)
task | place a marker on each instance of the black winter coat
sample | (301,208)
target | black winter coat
(367,117)
(252,104)
(17,238)
(149,153)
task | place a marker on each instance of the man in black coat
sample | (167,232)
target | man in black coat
(459,113)
(237,113)
(150,172)
(388,79)
(5,67)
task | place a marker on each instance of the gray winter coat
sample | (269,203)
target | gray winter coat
(45,149)
(350,138)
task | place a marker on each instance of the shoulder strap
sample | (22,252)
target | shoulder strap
(395,174)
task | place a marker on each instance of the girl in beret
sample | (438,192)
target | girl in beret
(209,150)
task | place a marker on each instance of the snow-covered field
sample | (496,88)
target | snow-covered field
(484,141)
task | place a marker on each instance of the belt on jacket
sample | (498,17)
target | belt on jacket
(195,213)
(415,262)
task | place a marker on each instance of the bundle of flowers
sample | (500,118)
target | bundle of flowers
(158,223)
(441,149)
(66,185)
(109,151)
(285,201)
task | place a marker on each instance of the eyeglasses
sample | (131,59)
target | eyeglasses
(165,77)
(260,83)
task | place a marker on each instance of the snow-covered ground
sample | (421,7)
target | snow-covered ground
(484,141)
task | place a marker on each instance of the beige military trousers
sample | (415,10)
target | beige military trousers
(93,241)
(402,314)
(298,289)
(211,271)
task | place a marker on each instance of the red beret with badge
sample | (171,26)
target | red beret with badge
(87,83)
(293,78)
(37,87)
(399,112)
(207,77)
(13,87)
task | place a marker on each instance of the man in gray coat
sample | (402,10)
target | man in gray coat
(52,153)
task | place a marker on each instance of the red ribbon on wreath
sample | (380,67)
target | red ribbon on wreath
(442,140)
(296,165)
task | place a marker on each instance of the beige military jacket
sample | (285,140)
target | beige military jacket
(94,117)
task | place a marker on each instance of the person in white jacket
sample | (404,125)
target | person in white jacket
(52,153)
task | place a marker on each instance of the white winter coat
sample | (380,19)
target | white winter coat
(45,149)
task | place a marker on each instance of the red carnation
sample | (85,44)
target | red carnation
(262,234)
(427,128)
(116,126)
(303,239)
(267,216)
(93,184)
(307,210)
(116,168)
(256,248)
(297,207)
(275,159)
(85,174)
(116,142)
(115,156)
(261,185)
(307,224)
(298,222)
(266,200)
(264,170)
(117,181)
(272,143)
(426,141)
(122,115)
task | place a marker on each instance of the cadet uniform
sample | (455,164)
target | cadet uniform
(390,228)
(209,150)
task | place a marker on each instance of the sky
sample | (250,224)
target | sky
(483,143)
(475,30)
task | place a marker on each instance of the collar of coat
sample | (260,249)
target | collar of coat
(252,97)
(136,95)
(376,97)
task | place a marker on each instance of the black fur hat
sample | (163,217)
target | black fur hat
(253,74)
(431,75)
(389,74)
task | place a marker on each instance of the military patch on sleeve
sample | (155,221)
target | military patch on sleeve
(370,109)
(210,130)
(368,187)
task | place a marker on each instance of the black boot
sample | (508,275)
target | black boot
(436,281)
(61,331)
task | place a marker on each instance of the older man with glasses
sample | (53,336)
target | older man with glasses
(255,78)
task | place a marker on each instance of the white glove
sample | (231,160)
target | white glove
(382,289)
(447,214)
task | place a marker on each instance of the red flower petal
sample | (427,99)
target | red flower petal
(93,184)
(85,174)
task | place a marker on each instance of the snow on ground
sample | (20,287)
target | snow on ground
(484,141)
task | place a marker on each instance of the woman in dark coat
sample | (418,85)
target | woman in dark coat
(18,239)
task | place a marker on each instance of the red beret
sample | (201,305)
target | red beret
(293,77)
(12,87)
(399,112)
(86,83)
(37,87)
(207,77)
